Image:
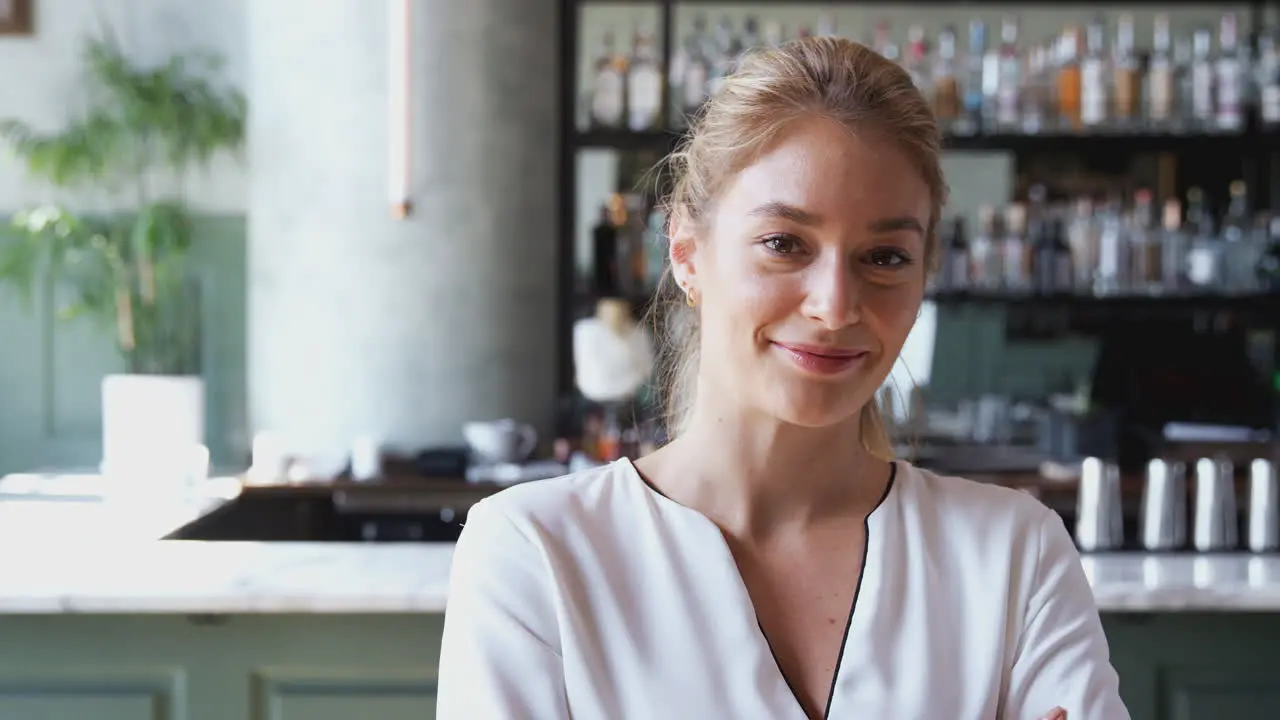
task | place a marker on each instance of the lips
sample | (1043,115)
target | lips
(822,359)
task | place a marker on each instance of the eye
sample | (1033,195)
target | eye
(782,244)
(889,257)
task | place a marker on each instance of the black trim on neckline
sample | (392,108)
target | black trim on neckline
(857,590)
(853,605)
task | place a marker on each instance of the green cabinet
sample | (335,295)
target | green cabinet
(1173,666)
(245,667)
(1197,666)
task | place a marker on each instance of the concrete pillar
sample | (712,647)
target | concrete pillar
(361,323)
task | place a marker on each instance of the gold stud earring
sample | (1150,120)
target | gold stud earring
(689,297)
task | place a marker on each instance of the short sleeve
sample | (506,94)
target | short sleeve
(500,652)
(1062,658)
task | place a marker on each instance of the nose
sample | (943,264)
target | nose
(832,293)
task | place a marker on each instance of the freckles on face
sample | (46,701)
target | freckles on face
(821,241)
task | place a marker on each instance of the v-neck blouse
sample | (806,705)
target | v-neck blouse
(593,596)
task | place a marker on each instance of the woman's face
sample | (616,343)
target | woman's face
(810,273)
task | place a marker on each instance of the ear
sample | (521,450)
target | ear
(683,250)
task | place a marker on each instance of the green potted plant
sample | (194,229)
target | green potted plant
(121,255)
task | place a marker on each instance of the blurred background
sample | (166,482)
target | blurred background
(330,272)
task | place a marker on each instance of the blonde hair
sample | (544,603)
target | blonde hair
(824,77)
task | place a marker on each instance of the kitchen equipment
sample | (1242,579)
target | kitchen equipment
(1099,518)
(1163,518)
(366,459)
(500,441)
(1264,523)
(1216,522)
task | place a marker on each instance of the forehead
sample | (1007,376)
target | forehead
(821,166)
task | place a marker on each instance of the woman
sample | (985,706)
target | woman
(772,561)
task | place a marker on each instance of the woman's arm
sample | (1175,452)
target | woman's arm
(500,654)
(1062,658)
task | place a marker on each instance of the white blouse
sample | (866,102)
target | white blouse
(595,597)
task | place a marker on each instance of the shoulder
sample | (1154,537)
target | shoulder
(543,509)
(961,512)
(970,499)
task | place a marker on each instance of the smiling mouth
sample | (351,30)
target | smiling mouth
(822,360)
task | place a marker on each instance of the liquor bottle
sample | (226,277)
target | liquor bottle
(1037,92)
(750,39)
(1268,79)
(1204,249)
(1144,246)
(1113,252)
(1069,80)
(1126,75)
(725,58)
(609,86)
(1239,248)
(1268,270)
(1203,107)
(1161,78)
(914,62)
(826,25)
(984,251)
(1229,77)
(1173,249)
(774,34)
(1008,107)
(970,120)
(691,69)
(644,83)
(956,258)
(1093,77)
(604,255)
(1082,238)
(1017,256)
(946,88)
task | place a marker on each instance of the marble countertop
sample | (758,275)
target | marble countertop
(74,551)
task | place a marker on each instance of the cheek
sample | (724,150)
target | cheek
(894,312)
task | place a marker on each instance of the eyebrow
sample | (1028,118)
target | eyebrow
(889,225)
(782,210)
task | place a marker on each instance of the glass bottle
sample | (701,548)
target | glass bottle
(1113,253)
(644,83)
(1069,81)
(609,86)
(956,259)
(984,251)
(1204,250)
(1093,77)
(1240,258)
(725,54)
(1202,76)
(1037,93)
(1017,258)
(1268,78)
(1268,269)
(914,62)
(1173,249)
(970,120)
(946,88)
(1161,85)
(692,70)
(1126,78)
(1229,77)
(1082,238)
(1008,114)
(1144,246)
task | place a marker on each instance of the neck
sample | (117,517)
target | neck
(755,476)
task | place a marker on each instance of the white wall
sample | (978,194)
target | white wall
(40,75)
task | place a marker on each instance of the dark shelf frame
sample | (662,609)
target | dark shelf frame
(1259,147)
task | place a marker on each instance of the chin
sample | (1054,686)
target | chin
(815,407)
